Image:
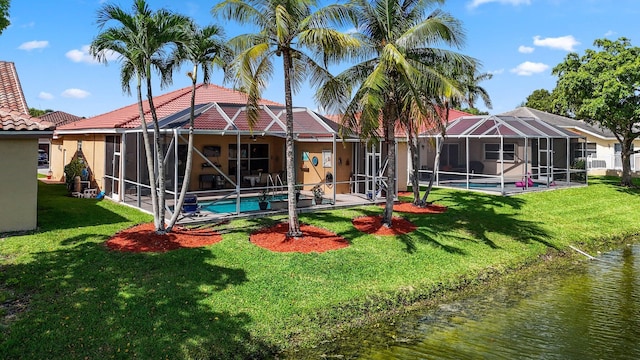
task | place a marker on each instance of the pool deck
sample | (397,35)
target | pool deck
(341,201)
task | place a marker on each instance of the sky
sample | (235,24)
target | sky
(518,41)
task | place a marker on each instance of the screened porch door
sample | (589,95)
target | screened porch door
(372,170)
(545,159)
(112,168)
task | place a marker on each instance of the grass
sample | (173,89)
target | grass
(65,295)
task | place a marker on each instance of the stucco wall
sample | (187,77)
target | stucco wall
(18,184)
(308,173)
(93,149)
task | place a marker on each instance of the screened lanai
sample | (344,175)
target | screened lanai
(502,154)
(233,162)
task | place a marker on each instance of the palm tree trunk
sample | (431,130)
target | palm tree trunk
(390,139)
(160,215)
(148,155)
(436,168)
(188,165)
(412,142)
(294,225)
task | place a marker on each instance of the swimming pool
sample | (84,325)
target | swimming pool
(248,203)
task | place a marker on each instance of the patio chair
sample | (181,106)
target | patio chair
(190,206)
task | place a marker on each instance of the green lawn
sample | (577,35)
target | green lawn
(65,295)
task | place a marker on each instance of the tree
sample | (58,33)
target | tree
(38,112)
(285,29)
(203,48)
(469,83)
(400,67)
(4,15)
(604,87)
(142,39)
(542,100)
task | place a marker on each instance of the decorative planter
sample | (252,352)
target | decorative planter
(263,205)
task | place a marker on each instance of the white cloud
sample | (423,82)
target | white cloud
(31,45)
(75,93)
(496,72)
(529,68)
(609,33)
(83,55)
(566,43)
(475,3)
(525,49)
(45,96)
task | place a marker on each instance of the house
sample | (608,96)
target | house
(57,118)
(601,148)
(19,134)
(503,154)
(231,159)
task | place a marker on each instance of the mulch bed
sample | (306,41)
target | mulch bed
(408,207)
(143,238)
(314,239)
(373,225)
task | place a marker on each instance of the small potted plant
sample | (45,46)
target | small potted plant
(262,199)
(317,194)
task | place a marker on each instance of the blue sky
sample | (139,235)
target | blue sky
(519,41)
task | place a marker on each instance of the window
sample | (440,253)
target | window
(492,152)
(253,157)
(584,150)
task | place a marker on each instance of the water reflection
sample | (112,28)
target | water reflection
(592,312)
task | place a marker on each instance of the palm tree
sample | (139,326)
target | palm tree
(399,65)
(472,90)
(142,40)
(203,48)
(285,29)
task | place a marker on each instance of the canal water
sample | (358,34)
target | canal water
(591,311)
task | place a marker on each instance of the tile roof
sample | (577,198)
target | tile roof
(166,105)
(11,95)
(12,120)
(59,118)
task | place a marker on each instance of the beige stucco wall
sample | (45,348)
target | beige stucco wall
(403,165)
(18,184)
(307,173)
(65,148)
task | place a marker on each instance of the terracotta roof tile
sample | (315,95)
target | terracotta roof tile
(11,95)
(166,104)
(59,118)
(12,120)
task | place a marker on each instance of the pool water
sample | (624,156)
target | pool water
(249,203)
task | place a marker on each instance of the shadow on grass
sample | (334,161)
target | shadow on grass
(89,302)
(57,210)
(478,215)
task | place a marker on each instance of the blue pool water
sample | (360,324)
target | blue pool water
(249,203)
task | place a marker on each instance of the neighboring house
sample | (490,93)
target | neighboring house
(601,148)
(425,149)
(504,154)
(19,134)
(230,159)
(57,118)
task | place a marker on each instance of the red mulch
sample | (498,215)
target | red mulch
(143,238)
(408,207)
(373,225)
(314,239)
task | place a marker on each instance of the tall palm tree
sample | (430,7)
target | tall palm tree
(286,28)
(399,63)
(203,48)
(142,40)
(472,90)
